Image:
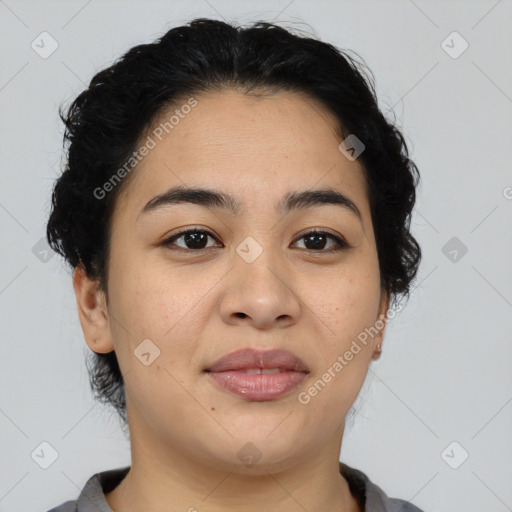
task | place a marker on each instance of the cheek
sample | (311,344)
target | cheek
(152,303)
(344,358)
(351,309)
(156,340)
(349,319)
(170,311)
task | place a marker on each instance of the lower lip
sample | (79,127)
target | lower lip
(258,387)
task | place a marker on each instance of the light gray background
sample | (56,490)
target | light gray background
(445,371)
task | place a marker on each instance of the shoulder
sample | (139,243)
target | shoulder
(68,506)
(371,496)
(92,496)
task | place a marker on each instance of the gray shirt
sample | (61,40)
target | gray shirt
(370,496)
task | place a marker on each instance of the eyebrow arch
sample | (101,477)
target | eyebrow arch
(213,199)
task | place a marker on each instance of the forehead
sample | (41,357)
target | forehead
(247,146)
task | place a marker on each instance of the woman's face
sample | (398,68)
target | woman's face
(262,281)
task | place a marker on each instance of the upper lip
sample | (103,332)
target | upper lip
(248,358)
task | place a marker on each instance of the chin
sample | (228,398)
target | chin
(256,453)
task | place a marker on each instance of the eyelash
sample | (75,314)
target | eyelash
(342,245)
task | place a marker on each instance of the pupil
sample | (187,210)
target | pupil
(196,238)
(315,237)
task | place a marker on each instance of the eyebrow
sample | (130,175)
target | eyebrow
(213,199)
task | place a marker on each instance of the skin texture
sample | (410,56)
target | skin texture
(185,431)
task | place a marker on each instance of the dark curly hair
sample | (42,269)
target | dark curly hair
(107,121)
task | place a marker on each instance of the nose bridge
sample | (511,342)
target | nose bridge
(259,289)
(259,266)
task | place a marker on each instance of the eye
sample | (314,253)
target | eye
(193,239)
(196,240)
(317,241)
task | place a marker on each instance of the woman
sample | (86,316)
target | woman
(236,210)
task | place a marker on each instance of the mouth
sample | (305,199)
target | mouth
(258,375)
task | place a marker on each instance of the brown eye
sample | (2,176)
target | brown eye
(317,240)
(193,240)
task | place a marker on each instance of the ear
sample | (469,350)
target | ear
(381,324)
(92,311)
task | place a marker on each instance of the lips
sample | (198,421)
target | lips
(258,375)
(251,359)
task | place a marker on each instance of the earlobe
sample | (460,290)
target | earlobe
(381,325)
(378,339)
(92,312)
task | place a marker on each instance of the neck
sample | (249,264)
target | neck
(165,478)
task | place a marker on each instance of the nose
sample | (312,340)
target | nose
(260,294)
